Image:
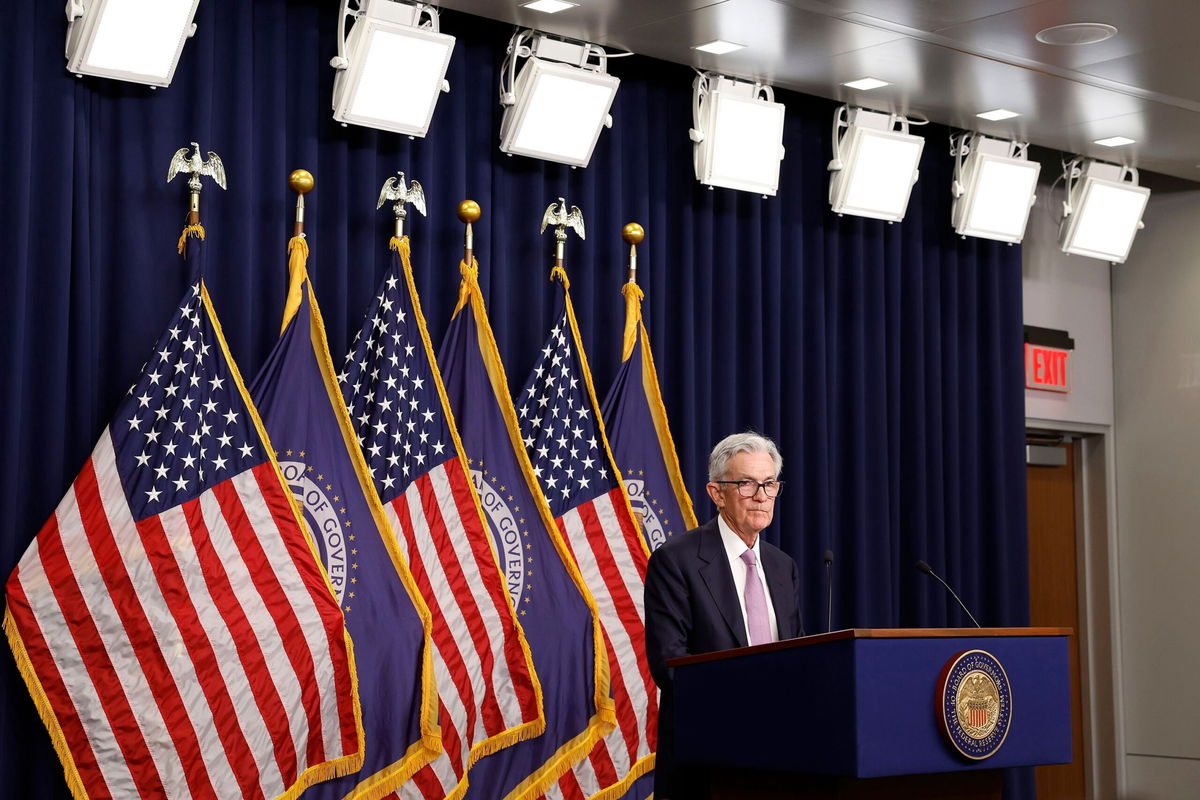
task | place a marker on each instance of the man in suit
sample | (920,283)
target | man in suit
(719,586)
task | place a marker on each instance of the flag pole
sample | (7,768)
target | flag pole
(301,182)
(634,234)
(469,212)
(401,194)
(195,167)
(558,216)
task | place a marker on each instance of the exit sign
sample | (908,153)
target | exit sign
(1046,368)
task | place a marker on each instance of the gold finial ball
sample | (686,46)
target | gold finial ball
(633,233)
(468,211)
(301,181)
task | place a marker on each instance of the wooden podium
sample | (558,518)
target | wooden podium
(853,714)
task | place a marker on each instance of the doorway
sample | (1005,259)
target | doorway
(1054,585)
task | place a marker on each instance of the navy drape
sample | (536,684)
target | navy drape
(884,359)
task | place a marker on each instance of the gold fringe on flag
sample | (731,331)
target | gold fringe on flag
(196,230)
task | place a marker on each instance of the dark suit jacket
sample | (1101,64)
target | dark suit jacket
(692,607)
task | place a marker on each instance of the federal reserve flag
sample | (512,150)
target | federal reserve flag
(555,608)
(171,620)
(563,433)
(488,694)
(636,422)
(298,396)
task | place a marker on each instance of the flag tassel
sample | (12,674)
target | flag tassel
(196,231)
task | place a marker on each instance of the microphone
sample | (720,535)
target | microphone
(829,588)
(928,570)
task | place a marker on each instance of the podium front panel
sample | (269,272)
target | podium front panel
(865,707)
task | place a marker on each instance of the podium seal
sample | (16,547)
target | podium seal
(974,704)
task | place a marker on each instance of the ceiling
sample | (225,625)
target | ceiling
(946,60)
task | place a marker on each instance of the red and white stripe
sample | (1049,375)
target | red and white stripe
(483,677)
(195,654)
(605,543)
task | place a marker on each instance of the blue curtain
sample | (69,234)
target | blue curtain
(884,359)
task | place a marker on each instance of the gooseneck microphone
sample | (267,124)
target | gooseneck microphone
(829,590)
(928,570)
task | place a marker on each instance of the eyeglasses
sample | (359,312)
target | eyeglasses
(749,488)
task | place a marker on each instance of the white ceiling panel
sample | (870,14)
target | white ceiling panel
(947,60)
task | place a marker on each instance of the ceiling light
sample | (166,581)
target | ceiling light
(1103,211)
(1076,33)
(874,164)
(549,6)
(994,185)
(1115,141)
(558,104)
(738,134)
(128,40)
(391,68)
(997,114)
(866,84)
(719,47)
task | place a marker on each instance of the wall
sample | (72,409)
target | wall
(1072,293)
(1156,322)
(1068,293)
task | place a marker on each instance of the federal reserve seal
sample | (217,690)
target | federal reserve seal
(652,523)
(507,534)
(974,704)
(321,516)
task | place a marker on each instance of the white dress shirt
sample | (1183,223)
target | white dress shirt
(734,547)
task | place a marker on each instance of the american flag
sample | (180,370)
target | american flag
(487,691)
(170,619)
(560,427)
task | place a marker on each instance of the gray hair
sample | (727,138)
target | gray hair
(730,446)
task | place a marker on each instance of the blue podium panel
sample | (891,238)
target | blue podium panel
(862,703)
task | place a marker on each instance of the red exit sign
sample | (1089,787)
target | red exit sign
(1046,368)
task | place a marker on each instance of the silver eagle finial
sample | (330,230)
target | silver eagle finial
(196,167)
(558,216)
(400,194)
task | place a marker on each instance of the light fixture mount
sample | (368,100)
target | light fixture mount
(737,133)
(994,186)
(556,102)
(1103,210)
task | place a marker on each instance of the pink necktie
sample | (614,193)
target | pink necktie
(756,602)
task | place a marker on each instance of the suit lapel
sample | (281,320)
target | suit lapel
(716,575)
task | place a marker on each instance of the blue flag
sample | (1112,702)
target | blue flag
(640,438)
(298,396)
(555,609)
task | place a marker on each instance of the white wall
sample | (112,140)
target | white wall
(1156,344)
(1068,293)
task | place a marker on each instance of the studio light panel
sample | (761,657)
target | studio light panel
(878,173)
(131,40)
(394,78)
(1106,218)
(998,198)
(743,143)
(559,112)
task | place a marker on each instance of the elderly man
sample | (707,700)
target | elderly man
(719,586)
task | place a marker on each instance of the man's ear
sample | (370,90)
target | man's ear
(714,494)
